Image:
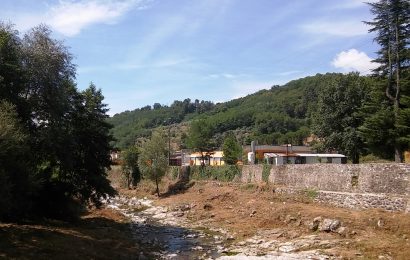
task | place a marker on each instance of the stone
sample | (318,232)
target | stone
(292,234)
(328,225)
(287,248)
(230,238)
(342,231)
(208,207)
(289,219)
(314,225)
(179,214)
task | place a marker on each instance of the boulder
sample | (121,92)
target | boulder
(329,225)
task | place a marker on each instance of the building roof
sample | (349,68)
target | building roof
(321,155)
(279,148)
(215,154)
(333,155)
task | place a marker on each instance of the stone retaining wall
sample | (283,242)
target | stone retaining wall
(385,186)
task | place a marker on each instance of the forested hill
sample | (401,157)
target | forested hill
(279,115)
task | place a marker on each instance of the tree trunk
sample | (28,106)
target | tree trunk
(355,157)
(156,182)
(128,180)
(398,153)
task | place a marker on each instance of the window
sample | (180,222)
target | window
(328,160)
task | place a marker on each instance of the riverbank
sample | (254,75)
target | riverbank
(260,222)
(99,234)
(212,220)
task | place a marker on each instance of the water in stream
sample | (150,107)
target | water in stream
(164,235)
(168,234)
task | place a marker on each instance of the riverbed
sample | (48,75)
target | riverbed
(166,233)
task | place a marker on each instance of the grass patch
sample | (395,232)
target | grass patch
(311,193)
(224,173)
(266,172)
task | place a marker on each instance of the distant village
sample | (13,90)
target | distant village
(254,154)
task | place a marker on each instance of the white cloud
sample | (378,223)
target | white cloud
(71,17)
(161,63)
(336,28)
(354,60)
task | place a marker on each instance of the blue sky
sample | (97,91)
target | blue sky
(144,51)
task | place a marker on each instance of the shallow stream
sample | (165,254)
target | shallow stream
(165,234)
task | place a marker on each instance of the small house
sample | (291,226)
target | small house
(303,158)
(213,159)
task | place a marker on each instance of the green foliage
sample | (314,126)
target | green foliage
(391,27)
(130,167)
(174,172)
(55,138)
(336,119)
(266,172)
(220,173)
(15,184)
(280,115)
(200,138)
(130,125)
(371,158)
(311,193)
(231,149)
(153,159)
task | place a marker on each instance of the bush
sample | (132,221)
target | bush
(173,172)
(266,172)
(220,173)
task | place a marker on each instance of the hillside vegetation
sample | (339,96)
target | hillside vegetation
(282,114)
(345,113)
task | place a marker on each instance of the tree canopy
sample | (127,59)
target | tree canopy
(153,159)
(231,149)
(391,24)
(61,132)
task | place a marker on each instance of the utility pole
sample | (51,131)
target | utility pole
(169,145)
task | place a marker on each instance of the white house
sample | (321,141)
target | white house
(303,158)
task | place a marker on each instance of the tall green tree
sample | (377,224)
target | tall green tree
(337,117)
(391,23)
(153,159)
(91,136)
(200,138)
(67,137)
(16,181)
(12,80)
(231,149)
(130,167)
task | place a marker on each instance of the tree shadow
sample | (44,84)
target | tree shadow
(90,238)
(181,186)
(102,238)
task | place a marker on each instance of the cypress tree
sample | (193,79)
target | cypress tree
(391,24)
